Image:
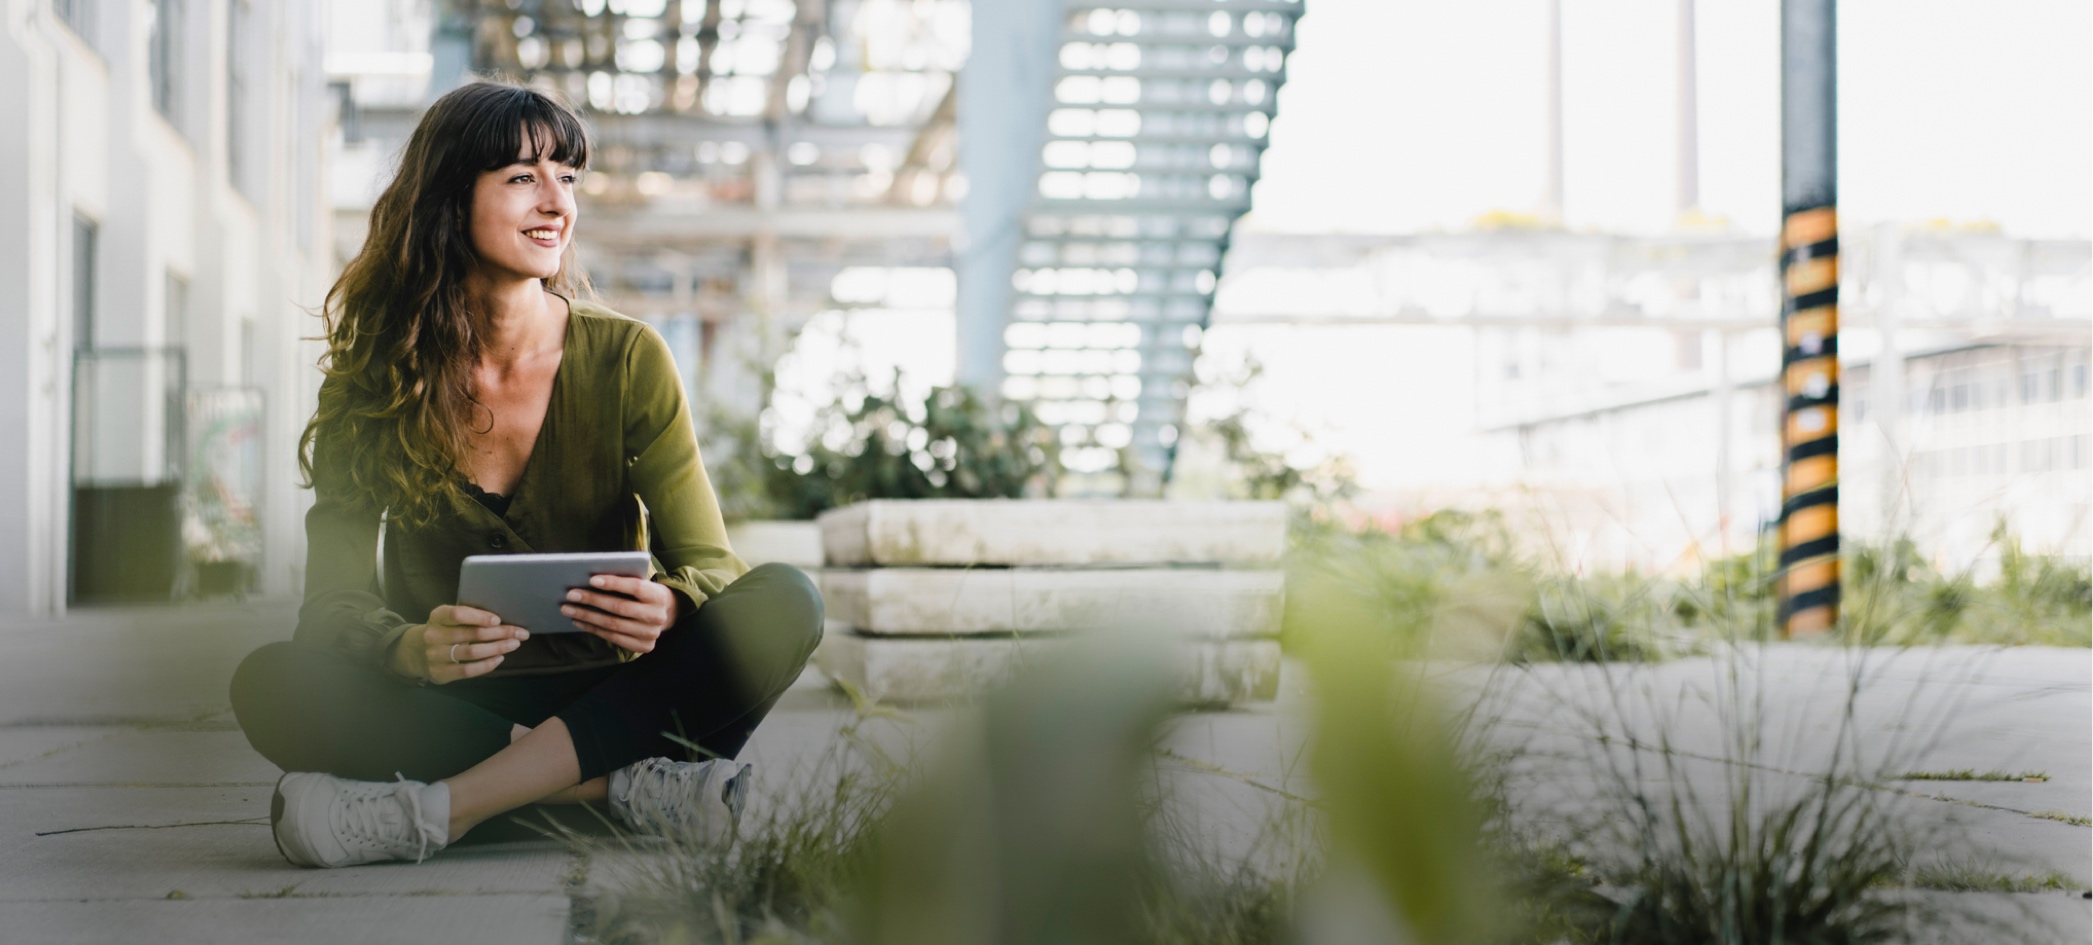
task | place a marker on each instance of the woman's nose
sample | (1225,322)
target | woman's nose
(555,198)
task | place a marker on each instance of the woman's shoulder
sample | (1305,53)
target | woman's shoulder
(595,318)
(615,342)
(607,333)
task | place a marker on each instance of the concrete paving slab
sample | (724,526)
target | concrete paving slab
(2060,917)
(948,601)
(520,919)
(132,664)
(149,757)
(26,745)
(142,843)
(138,697)
(1020,532)
(922,669)
(1922,711)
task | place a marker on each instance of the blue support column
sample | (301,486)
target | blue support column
(1005,92)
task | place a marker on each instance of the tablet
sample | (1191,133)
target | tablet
(527,590)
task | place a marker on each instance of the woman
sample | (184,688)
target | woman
(474,405)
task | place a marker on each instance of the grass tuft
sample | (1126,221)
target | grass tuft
(2064,816)
(1987,878)
(1971,774)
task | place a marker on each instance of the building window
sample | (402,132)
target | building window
(239,78)
(250,371)
(85,235)
(78,14)
(164,55)
(177,326)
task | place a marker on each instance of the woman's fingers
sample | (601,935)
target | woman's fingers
(446,671)
(637,644)
(448,634)
(459,614)
(586,618)
(628,612)
(478,667)
(608,603)
(472,652)
(640,589)
(452,659)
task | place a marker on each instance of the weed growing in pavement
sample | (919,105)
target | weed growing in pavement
(1893,596)
(781,879)
(1695,833)
(1970,774)
(1972,876)
(1046,816)
(2064,816)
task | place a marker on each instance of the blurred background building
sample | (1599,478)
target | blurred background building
(1508,257)
(164,164)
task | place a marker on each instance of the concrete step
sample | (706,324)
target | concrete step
(764,542)
(918,669)
(949,601)
(1020,532)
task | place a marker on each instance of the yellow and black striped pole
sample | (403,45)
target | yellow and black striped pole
(1809,268)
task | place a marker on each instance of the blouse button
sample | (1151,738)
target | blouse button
(497,540)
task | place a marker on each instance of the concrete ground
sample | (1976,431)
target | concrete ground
(131,808)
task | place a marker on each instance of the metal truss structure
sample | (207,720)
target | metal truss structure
(1160,114)
(748,150)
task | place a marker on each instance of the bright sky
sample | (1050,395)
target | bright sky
(1408,115)
(1402,115)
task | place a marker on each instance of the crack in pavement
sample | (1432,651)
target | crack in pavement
(249,822)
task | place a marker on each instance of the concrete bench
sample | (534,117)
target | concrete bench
(937,599)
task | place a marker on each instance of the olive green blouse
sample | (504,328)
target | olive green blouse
(617,428)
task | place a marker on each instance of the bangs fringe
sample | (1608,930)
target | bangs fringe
(553,130)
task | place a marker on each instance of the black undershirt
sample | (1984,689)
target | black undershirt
(496,503)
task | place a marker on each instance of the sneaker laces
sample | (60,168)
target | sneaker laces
(362,819)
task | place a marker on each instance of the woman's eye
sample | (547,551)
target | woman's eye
(520,178)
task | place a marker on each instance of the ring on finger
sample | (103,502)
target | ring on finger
(454,652)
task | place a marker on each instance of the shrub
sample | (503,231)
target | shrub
(951,445)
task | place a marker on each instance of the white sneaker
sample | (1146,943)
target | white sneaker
(699,801)
(322,820)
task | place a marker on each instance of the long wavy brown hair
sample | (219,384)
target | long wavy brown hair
(398,399)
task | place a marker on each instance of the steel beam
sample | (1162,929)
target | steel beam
(1004,94)
(1809,265)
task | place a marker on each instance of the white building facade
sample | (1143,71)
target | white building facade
(1991,432)
(162,177)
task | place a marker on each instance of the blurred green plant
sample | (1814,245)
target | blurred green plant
(1601,619)
(1051,817)
(1895,597)
(1400,803)
(952,444)
(1253,457)
(1452,571)
(784,879)
(1457,559)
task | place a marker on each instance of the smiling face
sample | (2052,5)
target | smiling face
(523,215)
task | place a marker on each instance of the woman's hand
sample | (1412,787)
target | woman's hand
(457,643)
(632,614)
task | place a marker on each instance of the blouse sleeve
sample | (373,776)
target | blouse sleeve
(342,609)
(662,463)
